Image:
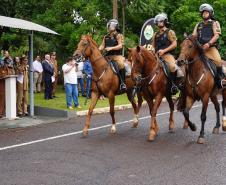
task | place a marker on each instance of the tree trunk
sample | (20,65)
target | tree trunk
(115,9)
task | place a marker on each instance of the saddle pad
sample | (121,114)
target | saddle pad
(212,67)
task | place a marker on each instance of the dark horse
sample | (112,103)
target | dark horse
(105,81)
(148,74)
(200,84)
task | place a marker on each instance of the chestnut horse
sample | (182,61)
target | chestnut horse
(148,74)
(200,84)
(104,81)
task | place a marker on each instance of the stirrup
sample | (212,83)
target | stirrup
(122,86)
(174,89)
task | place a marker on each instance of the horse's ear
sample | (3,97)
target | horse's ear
(185,35)
(138,49)
(129,49)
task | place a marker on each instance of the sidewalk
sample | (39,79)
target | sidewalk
(27,122)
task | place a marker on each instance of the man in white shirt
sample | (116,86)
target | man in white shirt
(80,78)
(70,82)
(37,74)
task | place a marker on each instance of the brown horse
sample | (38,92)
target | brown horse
(200,84)
(104,82)
(149,76)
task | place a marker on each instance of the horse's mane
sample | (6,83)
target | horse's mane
(148,55)
(199,48)
(89,38)
(196,43)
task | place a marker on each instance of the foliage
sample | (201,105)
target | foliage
(73,18)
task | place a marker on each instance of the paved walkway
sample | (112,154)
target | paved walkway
(27,121)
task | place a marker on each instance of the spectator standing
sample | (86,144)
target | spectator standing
(55,67)
(16,64)
(37,74)
(80,78)
(6,61)
(48,72)
(70,82)
(88,71)
(22,87)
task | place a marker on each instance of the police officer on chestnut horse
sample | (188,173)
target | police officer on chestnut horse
(112,43)
(164,43)
(207,33)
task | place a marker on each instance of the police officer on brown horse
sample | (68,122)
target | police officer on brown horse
(112,43)
(164,43)
(207,33)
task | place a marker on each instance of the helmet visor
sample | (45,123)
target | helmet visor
(112,25)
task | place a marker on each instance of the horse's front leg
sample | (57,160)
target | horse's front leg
(153,125)
(189,103)
(135,108)
(171,119)
(205,100)
(112,112)
(94,98)
(217,108)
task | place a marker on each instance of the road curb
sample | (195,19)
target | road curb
(107,109)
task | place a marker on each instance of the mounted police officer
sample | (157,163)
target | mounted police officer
(164,43)
(112,43)
(207,32)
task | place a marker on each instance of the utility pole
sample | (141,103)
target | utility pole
(115,9)
(123,23)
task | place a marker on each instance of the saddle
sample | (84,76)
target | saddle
(115,68)
(166,69)
(211,66)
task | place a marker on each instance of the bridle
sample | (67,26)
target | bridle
(86,43)
(139,78)
(200,57)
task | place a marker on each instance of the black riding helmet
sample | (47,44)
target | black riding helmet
(208,8)
(161,17)
(115,23)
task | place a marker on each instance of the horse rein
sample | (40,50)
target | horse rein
(83,55)
(191,62)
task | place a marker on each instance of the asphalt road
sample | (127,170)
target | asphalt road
(56,153)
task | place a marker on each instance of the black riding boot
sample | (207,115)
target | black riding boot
(122,76)
(174,88)
(220,78)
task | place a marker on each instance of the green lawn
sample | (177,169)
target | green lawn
(60,101)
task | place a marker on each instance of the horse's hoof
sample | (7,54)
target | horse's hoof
(201,140)
(152,136)
(171,130)
(85,132)
(224,128)
(193,127)
(215,130)
(113,130)
(171,126)
(224,124)
(185,125)
(135,125)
